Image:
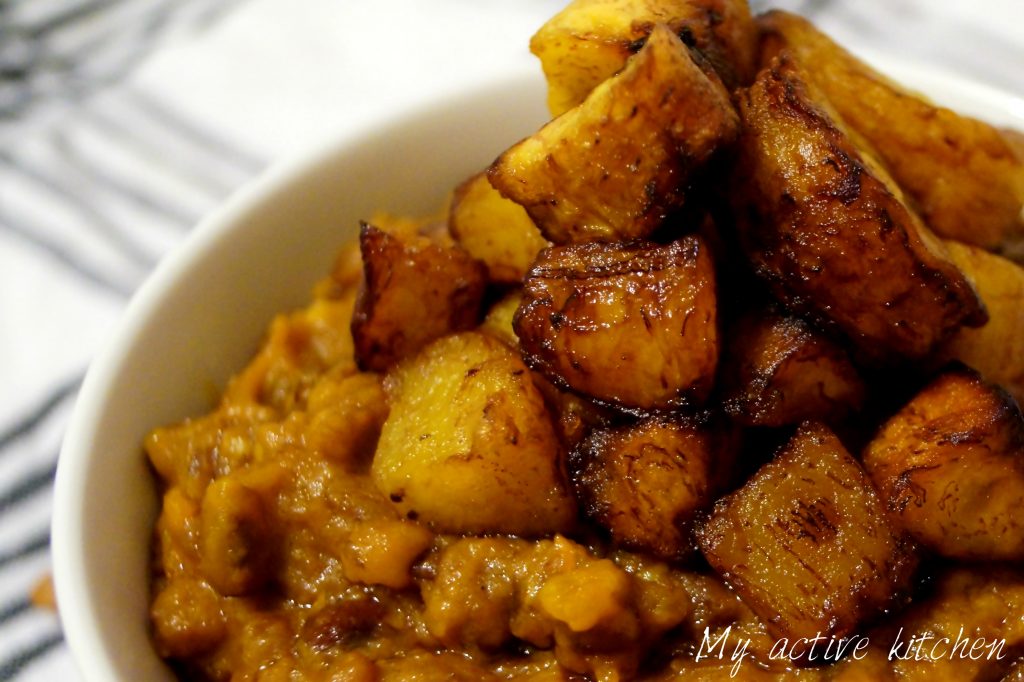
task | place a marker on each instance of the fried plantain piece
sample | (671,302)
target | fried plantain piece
(995,348)
(495,230)
(806,542)
(950,467)
(615,166)
(468,446)
(646,482)
(780,370)
(590,40)
(414,290)
(964,176)
(824,226)
(632,325)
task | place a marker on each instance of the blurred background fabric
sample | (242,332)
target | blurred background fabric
(123,122)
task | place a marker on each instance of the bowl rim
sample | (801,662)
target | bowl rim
(79,619)
(76,607)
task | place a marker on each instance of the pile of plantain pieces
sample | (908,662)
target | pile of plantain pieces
(744,304)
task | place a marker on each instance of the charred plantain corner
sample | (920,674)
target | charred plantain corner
(414,290)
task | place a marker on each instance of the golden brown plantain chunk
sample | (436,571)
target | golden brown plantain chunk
(633,325)
(830,235)
(494,230)
(781,371)
(806,542)
(590,40)
(616,165)
(995,348)
(468,446)
(950,466)
(963,175)
(414,291)
(646,482)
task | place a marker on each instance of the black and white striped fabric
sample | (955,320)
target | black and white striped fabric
(122,122)
(98,180)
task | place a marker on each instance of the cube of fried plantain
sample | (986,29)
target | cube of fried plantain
(824,226)
(616,165)
(468,446)
(414,290)
(806,542)
(632,325)
(590,40)
(995,348)
(495,230)
(964,176)
(646,482)
(780,370)
(950,467)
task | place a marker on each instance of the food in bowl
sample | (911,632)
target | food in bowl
(663,393)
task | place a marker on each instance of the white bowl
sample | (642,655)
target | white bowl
(200,316)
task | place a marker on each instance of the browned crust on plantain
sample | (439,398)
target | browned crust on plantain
(825,228)
(630,325)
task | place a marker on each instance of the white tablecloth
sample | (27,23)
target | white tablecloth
(124,121)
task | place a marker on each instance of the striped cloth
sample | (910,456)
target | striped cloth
(122,122)
(98,179)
